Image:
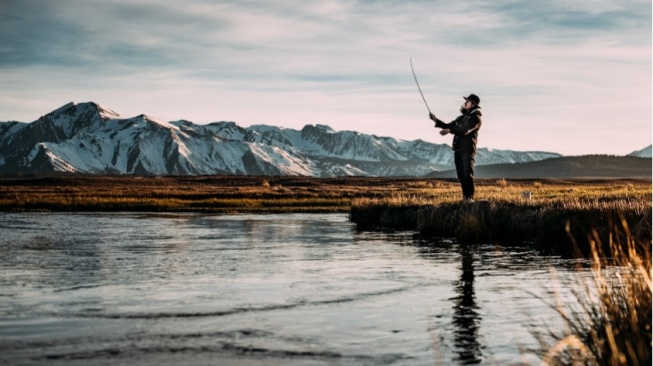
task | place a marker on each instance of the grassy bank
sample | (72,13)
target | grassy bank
(557,210)
(558,213)
(217,194)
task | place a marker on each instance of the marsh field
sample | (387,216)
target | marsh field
(236,194)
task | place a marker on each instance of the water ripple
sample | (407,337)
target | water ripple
(270,289)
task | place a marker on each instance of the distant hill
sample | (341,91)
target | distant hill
(643,153)
(586,166)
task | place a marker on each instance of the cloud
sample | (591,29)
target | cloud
(344,62)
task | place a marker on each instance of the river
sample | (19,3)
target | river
(287,289)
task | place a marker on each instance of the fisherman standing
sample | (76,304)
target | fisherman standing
(465,134)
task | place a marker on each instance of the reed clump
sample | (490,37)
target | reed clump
(608,321)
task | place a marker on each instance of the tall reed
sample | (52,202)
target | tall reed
(608,321)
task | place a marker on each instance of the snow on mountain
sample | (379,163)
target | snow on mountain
(643,153)
(89,138)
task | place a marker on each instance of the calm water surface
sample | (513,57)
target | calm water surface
(291,289)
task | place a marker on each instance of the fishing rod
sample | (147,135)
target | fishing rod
(418,88)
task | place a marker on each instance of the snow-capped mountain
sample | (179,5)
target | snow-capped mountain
(89,138)
(643,153)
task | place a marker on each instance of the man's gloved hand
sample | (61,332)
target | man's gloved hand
(432,117)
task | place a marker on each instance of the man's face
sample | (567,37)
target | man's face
(468,104)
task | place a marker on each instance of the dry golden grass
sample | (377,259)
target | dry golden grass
(631,195)
(205,194)
(502,214)
(609,323)
(300,194)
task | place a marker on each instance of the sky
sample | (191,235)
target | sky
(566,76)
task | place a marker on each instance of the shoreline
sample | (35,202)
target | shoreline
(429,206)
(564,231)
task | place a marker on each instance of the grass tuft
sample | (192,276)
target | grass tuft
(609,320)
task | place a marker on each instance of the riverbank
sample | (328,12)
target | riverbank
(429,206)
(559,217)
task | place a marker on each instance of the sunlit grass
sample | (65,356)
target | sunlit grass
(212,194)
(578,194)
(242,194)
(501,212)
(609,321)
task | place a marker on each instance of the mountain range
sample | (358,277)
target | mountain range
(88,138)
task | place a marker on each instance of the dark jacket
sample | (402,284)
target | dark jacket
(464,129)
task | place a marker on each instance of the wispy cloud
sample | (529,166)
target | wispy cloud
(556,70)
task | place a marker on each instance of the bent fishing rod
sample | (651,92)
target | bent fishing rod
(418,88)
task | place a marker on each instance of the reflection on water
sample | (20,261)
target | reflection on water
(257,289)
(466,318)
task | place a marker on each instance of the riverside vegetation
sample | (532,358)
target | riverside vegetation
(556,210)
(556,216)
(609,323)
(607,220)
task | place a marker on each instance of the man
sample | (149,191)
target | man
(465,133)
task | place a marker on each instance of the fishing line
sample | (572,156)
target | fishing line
(418,88)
